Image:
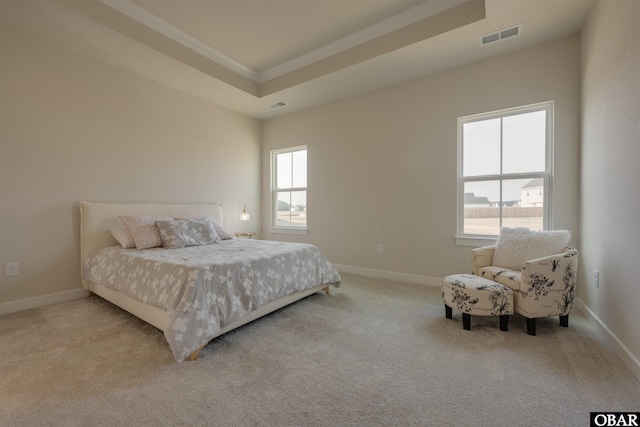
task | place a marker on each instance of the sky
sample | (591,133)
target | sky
(292,172)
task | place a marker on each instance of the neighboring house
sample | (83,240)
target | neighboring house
(472,201)
(532,194)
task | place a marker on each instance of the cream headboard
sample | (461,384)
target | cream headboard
(97,218)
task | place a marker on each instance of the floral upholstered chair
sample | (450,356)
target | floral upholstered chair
(537,266)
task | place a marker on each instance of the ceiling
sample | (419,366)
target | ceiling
(247,55)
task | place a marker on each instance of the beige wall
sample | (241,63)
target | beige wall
(610,159)
(76,129)
(382,166)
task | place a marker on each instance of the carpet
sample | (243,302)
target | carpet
(373,353)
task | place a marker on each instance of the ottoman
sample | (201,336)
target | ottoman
(475,295)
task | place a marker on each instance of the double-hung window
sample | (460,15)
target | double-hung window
(289,190)
(504,170)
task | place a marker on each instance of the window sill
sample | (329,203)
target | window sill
(475,241)
(281,230)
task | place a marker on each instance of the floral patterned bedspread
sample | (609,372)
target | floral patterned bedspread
(204,288)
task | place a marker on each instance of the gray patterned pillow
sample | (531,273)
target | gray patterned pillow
(180,233)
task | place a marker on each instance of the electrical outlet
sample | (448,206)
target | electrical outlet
(12,269)
(596,278)
(380,248)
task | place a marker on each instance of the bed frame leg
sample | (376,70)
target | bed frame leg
(327,290)
(193,356)
(90,294)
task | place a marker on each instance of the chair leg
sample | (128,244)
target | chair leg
(466,321)
(448,312)
(531,326)
(564,321)
(504,322)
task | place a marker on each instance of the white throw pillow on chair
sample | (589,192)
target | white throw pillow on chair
(517,245)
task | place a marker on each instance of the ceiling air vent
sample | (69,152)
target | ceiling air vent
(500,35)
(278,104)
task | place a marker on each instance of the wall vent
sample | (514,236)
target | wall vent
(278,104)
(500,35)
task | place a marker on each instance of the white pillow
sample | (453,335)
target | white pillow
(517,245)
(123,237)
(224,234)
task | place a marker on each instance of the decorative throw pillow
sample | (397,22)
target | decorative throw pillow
(224,234)
(123,237)
(517,245)
(180,233)
(143,230)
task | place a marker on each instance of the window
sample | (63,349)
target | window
(504,170)
(289,189)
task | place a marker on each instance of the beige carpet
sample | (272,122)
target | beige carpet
(374,353)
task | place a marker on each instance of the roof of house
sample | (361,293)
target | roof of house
(534,183)
(471,199)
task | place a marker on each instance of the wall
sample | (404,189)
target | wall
(73,128)
(610,201)
(382,166)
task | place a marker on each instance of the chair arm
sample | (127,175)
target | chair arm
(481,257)
(548,284)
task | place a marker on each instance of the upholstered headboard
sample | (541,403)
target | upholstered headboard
(97,218)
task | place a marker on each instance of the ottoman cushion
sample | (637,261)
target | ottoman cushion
(475,295)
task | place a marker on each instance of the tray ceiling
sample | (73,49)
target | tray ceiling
(249,54)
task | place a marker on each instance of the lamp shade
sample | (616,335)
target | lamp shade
(244,216)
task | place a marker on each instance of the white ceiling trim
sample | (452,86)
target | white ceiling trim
(410,16)
(140,15)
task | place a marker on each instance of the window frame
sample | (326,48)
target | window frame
(274,227)
(467,239)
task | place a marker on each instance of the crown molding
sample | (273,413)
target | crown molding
(140,15)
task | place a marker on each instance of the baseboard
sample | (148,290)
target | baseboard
(25,304)
(391,275)
(618,347)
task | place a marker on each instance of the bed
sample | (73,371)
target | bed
(195,293)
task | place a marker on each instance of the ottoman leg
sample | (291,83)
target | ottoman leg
(448,312)
(504,322)
(466,321)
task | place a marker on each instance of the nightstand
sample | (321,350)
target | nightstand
(249,234)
